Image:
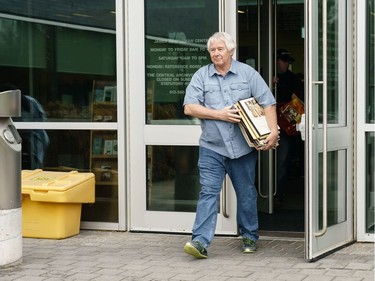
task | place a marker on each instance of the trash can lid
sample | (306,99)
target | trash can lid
(52,181)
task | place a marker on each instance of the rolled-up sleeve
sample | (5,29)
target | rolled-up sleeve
(195,90)
(261,91)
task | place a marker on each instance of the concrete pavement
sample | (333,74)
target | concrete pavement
(112,256)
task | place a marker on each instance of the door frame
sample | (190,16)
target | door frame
(141,134)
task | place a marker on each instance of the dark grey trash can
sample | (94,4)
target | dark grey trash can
(10,180)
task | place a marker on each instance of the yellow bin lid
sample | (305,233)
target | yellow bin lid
(60,187)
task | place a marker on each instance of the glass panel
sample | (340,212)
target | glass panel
(333,61)
(83,151)
(336,63)
(97,13)
(370,93)
(34,148)
(104,164)
(319,62)
(336,187)
(370,181)
(172,178)
(56,65)
(67,150)
(176,36)
(248,29)
(319,39)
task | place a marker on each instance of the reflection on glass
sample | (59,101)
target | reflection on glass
(96,13)
(333,59)
(68,150)
(104,164)
(87,151)
(370,93)
(172,177)
(336,187)
(370,181)
(173,55)
(104,101)
(58,65)
(248,27)
(34,142)
(336,74)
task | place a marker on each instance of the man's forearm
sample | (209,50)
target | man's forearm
(271,117)
(199,111)
(227,114)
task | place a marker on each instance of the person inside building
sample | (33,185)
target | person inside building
(210,96)
(287,86)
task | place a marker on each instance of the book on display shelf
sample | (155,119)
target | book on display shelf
(253,123)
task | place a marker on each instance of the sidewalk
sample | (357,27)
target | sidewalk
(110,256)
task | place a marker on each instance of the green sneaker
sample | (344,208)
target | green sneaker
(195,249)
(249,245)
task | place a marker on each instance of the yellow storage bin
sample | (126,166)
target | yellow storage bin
(52,202)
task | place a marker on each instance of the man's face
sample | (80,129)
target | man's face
(220,56)
(282,66)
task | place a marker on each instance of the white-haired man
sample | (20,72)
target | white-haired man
(210,96)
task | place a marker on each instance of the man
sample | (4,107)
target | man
(287,84)
(286,81)
(210,96)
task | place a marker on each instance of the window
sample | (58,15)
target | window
(176,37)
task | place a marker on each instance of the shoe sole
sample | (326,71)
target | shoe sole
(191,250)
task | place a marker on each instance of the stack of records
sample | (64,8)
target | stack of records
(253,124)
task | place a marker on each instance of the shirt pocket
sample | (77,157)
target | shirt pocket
(240,91)
(212,95)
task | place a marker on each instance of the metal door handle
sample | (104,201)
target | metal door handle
(224,200)
(260,182)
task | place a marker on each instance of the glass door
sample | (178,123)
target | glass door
(165,48)
(329,213)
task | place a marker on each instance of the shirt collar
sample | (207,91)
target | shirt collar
(212,70)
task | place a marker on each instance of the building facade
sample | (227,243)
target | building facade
(109,79)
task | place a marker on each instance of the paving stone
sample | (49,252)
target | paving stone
(339,272)
(318,278)
(346,279)
(83,276)
(109,278)
(313,272)
(290,277)
(356,265)
(364,274)
(264,275)
(159,276)
(305,265)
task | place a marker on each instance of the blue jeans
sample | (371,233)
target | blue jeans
(212,168)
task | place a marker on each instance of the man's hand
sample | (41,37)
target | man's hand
(271,141)
(229,114)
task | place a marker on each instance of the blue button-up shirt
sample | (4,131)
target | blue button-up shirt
(210,89)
